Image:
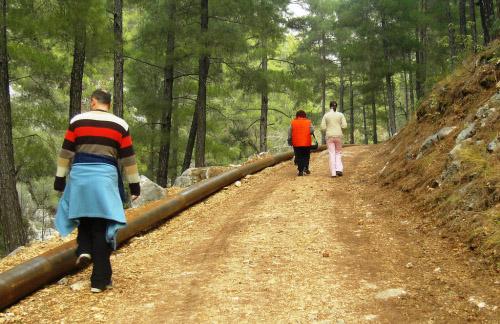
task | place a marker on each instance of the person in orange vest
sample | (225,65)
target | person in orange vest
(299,136)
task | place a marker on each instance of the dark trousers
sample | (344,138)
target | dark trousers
(91,239)
(302,156)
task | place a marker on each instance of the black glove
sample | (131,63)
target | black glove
(60,184)
(135,189)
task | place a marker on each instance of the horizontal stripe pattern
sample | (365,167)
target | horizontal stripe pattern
(100,133)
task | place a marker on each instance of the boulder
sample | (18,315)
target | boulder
(492,146)
(466,133)
(195,175)
(444,132)
(391,293)
(150,191)
(451,169)
(434,138)
(495,99)
(41,224)
(428,142)
(483,112)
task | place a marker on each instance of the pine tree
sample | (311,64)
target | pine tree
(118,59)
(13,228)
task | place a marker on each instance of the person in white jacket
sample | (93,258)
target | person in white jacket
(333,122)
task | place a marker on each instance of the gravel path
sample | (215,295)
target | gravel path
(284,249)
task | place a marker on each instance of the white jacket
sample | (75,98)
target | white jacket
(333,122)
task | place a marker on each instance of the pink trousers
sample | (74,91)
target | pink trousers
(335,154)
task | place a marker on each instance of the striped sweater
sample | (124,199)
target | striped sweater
(101,133)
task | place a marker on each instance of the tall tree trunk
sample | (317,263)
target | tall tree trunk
(323,82)
(485,20)
(463,21)
(188,155)
(174,159)
(13,228)
(118,60)
(407,103)
(472,18)
(351,108)
(389,84)
(365,130)
(451,34)
(374,119)
(166,120)
(264,100)
(341,87)
(388,123)
(76,86)
(421,72)
(390,104)
(203,67)
(412,94)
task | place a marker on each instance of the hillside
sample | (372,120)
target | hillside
(448,157)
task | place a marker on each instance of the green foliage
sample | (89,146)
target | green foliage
(337,38)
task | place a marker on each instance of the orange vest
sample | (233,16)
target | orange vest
(301,132)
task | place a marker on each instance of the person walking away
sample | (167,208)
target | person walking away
(94,146)
(299,136)
(332,123)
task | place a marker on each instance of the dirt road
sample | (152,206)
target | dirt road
(285,249)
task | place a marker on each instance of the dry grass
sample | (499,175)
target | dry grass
(466,203)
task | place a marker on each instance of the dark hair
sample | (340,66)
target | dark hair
(101,96)
(301,113)
(333,105)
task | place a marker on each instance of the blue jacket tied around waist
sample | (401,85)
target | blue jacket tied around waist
(93,190)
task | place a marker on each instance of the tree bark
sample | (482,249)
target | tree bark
(264,102)
(388,123)
(323,82)
(407,103)
(412,94)
(203,67)
(351,108)
(374,119)
(174,159)
(390,104)
(13,228)
(451,34)
(341,87)
(166,122)
(472,19)
(76,86)
(463,22)
(389,84)
(118,60)
(421,57)
(365,130)
(188,155)
(485,20)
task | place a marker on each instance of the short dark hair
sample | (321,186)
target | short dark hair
(101,96)
(333,105)
(301,113)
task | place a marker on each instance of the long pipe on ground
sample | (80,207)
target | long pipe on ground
(33,274)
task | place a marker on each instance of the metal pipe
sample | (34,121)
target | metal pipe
(33,274)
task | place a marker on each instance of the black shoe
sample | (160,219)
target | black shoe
(301,173)
(307,171)
(340,173)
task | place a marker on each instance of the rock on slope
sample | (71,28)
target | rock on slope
(448,157)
